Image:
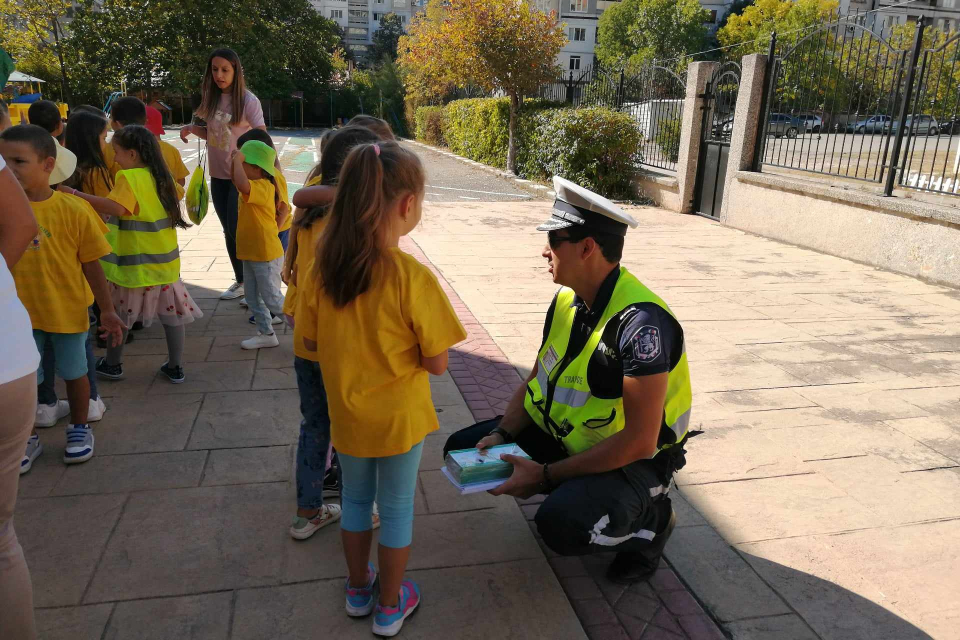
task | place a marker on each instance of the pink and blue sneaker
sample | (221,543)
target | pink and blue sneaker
(360,601)
(388,620)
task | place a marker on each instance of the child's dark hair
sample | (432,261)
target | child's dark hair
(46,114)
(378,126)
(139,139)
(88,108)
(129,110)
(211,92)
(264,137)
(84,132)
(373,178)
(335,152)
(37,137)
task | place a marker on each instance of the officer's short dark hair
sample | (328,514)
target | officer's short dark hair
(37,137)
(611,245)
(46,114)
(129,110)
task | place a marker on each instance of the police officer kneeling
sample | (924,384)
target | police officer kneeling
(604,413)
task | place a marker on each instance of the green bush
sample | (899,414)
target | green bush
(668,138)
(595,147)
(479,129)
(429,125)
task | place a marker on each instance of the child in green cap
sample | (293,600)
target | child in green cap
(258,246)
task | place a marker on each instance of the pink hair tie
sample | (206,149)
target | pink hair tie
(376,149)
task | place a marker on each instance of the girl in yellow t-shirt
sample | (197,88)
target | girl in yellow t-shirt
(86,137)
(314,455)
(380,324)
(144,266)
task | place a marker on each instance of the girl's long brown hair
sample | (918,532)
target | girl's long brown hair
(373,178)
(83,135)
(211,92)
(139,139)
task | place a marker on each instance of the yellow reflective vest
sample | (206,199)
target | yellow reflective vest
(145,250)
(559,399)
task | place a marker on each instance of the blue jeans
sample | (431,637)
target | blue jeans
(225,197)
(392,481)
(46,390)
(314,444)
(284,239)
(261,288)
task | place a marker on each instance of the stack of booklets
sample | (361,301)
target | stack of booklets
(472,470)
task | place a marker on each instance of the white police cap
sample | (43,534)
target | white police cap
(576,206)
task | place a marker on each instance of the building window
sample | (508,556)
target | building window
(713,17)
(359,14)
(403,19)
(353,32)
(377,17)
(398,4)
(574,63)
(580,6)
(544,6)
(578,34)
(380,1)
(336,14)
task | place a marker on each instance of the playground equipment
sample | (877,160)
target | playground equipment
(24,94)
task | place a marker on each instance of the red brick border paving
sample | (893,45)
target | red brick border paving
(659,609)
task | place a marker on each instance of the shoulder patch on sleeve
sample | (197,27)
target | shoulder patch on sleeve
(646,343)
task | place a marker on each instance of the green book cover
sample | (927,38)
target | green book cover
(468,466)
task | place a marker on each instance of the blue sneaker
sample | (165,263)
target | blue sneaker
(79,444)
(388,620)
(34,449)
(360,601)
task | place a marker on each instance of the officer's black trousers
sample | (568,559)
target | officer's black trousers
(619,510)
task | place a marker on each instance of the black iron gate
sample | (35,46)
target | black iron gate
(719,104)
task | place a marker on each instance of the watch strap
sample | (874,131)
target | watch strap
(506,435)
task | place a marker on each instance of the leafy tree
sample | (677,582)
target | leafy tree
(791,19)
(735,9)
(31,31)
(635,32)
(498,45)
(387,37)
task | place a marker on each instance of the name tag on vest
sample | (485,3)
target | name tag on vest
(549,359)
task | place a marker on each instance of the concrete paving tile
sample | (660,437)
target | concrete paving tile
(763,399)
(788,627)
(700,627)
(938,401)
(444,391)
(195,540)
(789,418)
(861,402)
(139,372)
(822,442)
(735,453)
(431,458)
(227,349)
(201,617)
(277,357)
(857,586)
(146,424)
(249,465)
(594,612)
(72,623)
(939,433)
(247,419)
(729,588)
(607,632)
(687,515)
(778,507)
(535,607)
(275,378)
(743,372)
(441,497)
(137,472)
(208,377)
(454,418)
(195,348)
(59,567)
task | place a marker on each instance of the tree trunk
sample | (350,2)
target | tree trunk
(512,143)
(64,91)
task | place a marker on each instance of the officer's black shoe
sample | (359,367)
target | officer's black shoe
(635,566)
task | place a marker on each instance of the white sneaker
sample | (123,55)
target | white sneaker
(48,414)
(96,410)
(235,291)
(243,303)
(33,451)
(260,342)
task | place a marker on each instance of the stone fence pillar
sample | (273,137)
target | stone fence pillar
(743,139)
(691,129)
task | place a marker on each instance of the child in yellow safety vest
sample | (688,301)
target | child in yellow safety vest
(144,266)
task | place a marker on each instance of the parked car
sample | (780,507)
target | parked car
(923,124)
(780,124)
(811,122)
(950,127)
(872,124)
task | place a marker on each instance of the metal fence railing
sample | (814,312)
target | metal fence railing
(874,105)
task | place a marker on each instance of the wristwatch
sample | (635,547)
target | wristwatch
(507,437)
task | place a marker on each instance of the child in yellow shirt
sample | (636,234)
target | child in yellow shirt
(54,279)
(131,110)
(314,482)
(380,324)
(258,246)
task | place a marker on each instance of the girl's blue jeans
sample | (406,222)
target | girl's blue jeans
(392,481)
(314,441)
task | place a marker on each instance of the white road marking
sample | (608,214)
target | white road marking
(433,194)
(489,193)
(467,198)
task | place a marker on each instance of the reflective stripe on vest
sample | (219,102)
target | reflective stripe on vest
(559,400)
(145,250)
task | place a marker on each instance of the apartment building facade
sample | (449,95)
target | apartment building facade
(359,19)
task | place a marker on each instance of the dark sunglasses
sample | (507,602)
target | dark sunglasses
(557,240)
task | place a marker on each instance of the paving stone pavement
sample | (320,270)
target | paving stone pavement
(177,528)
(821,500)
